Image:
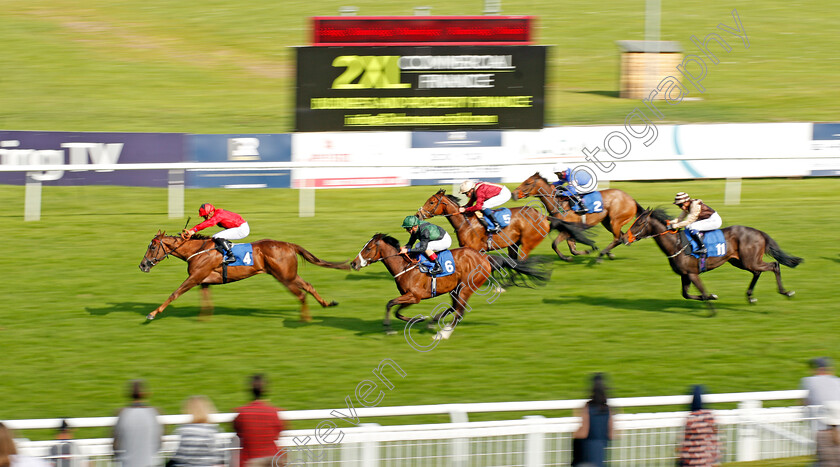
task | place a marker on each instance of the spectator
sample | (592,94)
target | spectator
(62,452)
(137,433)
(596,429)
(258,426)
(822,387)
(828,440)
(8,452)
(700,445)
(197,444)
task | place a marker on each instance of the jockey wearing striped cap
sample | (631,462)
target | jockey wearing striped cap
(696,218)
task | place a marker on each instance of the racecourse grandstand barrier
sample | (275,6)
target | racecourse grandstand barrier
(637,150)
(749,432)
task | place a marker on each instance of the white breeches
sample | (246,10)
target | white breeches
(712,223)
(498,200)
(236,233)
(440,245)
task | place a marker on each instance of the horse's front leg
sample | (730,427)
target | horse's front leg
(403,300)
(191,282)
(555,245)
(686,286)
(695,279)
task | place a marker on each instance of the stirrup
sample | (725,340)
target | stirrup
(436,269)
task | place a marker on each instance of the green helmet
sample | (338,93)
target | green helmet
(410,221)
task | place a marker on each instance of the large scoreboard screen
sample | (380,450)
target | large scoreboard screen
(420,87)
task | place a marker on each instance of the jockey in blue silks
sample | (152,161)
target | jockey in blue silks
(573,184)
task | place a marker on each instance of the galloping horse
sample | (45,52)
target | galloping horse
(745,248)
(472,269)
(618,209)
(204,266)
(528,227)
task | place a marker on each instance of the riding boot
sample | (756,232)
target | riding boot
(226,246)
(578,200)
(490,221)
(436,268)
(698,237)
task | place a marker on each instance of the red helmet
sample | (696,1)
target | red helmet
(206,209)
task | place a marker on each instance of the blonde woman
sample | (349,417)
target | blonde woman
(197,444)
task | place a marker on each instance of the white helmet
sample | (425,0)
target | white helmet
(559,167)
(467,185)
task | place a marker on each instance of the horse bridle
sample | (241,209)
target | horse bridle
(439,202)
(165,253)
(631,237)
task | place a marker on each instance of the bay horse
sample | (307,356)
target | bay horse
(472,269)
(528,227)
(618,209)
(745,249)
(204,266)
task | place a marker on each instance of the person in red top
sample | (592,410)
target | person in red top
(482,197)
(258,426)
(235,228)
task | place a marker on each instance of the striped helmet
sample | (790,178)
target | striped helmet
(206,209)
(681,198)
(467,186)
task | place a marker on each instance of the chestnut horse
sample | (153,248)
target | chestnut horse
(619,209)
(472,269)
(527,228)
(745,249)
(204,267)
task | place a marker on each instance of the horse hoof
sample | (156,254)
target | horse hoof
(713,297)
(333,303)
(390,332)
(790,294)
(610,256)
(752,299)
(150,317)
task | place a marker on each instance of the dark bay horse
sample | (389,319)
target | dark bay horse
(745,249)
(472,270)
(280,259)
(619,209)
(528,227)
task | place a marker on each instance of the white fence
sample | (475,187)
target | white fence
(749,432)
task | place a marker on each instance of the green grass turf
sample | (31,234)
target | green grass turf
(72,329)
(228,67)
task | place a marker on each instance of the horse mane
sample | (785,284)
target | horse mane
(197,237)
(659,214)
(388,240)
(454,199)
(539,175)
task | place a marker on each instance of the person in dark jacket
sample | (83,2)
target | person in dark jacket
(430,239)
(596,428)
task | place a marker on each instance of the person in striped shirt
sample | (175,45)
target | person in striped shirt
(197,445)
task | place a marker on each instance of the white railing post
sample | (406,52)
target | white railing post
(535,444)
(176,194)
(748,443)
(32,201)
(306,200)
(460,447)
(370,450)
(732,195)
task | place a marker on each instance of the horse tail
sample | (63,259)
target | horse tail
(772,248)
(318,262)
(529,272)
(576,230)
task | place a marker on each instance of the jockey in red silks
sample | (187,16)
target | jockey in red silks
(235,228)
(482,197)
